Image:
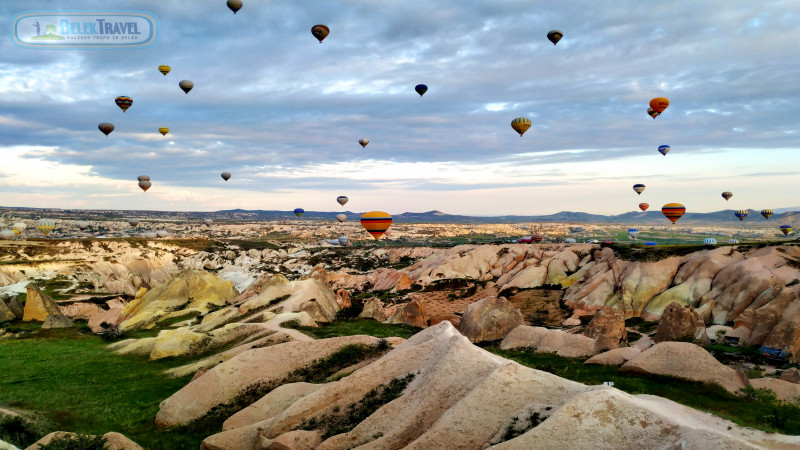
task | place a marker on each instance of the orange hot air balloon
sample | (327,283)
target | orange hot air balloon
(659,104)
(673,211)
(644,206)
(320,32)
(376,223)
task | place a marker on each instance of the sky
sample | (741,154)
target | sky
(283,113)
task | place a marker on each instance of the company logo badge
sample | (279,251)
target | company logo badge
(84,29)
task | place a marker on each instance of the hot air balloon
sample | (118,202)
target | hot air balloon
(343,240)
(186,85)
(106,128)
(659,104)
(741,214)
(164,69)
(711,241)
(162,233)
(555,36)
(632,233)
(208,222)
(673,211)
(521,125)
(664,149)
(652,113)
(82,224)
(786,229)
(639,188)
(19,227)
(376,223)
(421,89)
(133,222)
(123,102)
(733,241)
(145,184)
(7,234)
(143,178)
(342,199)
(163,131)
(45,226)
(767,213)
(537,237)
(150,235)
(235,5)
(225,176)
(341,217)
(727,195)
(644,206)
(299,212)
(363,142)
(320,32)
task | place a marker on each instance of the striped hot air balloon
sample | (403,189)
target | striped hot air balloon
(711,241)
(342,199)
(767,213)
(537,237)
(733,241)
(164,69)
(786,229)
(727,195)
(123,102)
(664,149)
(741,214)
(652,113)
(673,211)
(376,223)
(521,125)
(639,188)
(45,226)
(644,206)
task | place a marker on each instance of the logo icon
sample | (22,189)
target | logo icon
(84,29)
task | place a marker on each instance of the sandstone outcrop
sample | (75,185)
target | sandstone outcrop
(6,314)
(688,362)
(791,375)
(543,340)
(412,313)
(311,295)
(38,305)
(114,441)
(373,309)
(785,390)
(679,323)
(610,323)
(489,319)
(615,357)
(56,321)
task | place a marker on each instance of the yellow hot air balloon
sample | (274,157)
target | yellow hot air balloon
(164,69)
(45,226)
(163,130)
(521,125)
(376,223)
(659,104)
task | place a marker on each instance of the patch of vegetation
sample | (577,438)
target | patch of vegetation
(792,262)
(360,326)
(515,428)
(403,262)
(352,311)
(342,421)
(179,318)
(448,284)
(75,442)
(779,412)
(748,412)
(641,325)
(652,254)
(20,431)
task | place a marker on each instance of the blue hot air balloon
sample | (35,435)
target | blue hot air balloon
(299,212)
(741,214)
(663,149)
(421,89)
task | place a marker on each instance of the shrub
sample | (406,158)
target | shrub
(18,430)
(76,442)
(352,311)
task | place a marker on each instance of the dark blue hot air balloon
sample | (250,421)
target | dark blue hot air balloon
(663,149)
(421,89)
(299,211)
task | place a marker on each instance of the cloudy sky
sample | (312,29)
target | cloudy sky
(283,113)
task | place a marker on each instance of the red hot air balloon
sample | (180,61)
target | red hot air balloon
(644,206)
(537,237)
(673,211)
(123,102)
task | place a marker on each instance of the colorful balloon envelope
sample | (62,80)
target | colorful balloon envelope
(163,131)
(673,211)
(235,5)
(786,229)
(632,233)
(19,227)
(659,104)
(106,128)
(421,89)
(341,217)
(186,85)
(644,206)
(711,241)
(664,149)
(727,195)
(537,237)
(342,199)
(299,212)
(652,113)
(521,125)
(363,142)
(164,69)
(145,185)
(767,213)
(123,102)
(45,226)
(376,223)
(733,241)
(741,214)
(639,188)
(555,36)
(225,176)
(320,32)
